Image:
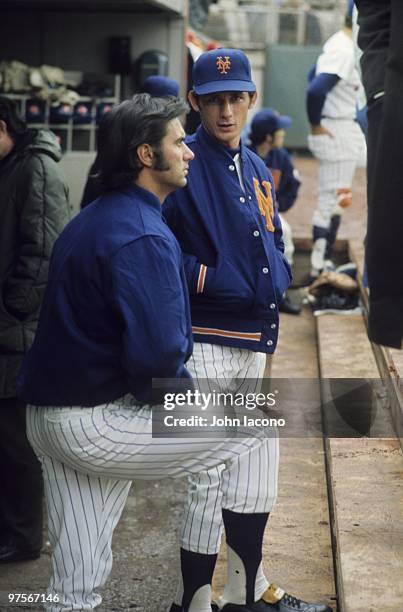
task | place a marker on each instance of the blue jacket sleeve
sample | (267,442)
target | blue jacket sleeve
(151,302)
(283,275)
(281,272)
(222,282)
(194,269)
(311,73)
(217,279)
(289,185)
(318,89)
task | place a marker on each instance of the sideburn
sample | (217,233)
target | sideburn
(160,163)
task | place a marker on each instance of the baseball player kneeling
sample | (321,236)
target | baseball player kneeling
(115,315)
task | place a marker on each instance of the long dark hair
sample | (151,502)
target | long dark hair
(128,125)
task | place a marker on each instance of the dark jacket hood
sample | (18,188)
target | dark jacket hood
(45,141)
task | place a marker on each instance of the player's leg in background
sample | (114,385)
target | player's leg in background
(287,305)
(289,247)
(334,195)
(338,156)
(344,174)
(322,215)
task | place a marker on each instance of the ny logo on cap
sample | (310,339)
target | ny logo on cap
(223,65)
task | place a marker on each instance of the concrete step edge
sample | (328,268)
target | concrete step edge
(360,471)
(390,369)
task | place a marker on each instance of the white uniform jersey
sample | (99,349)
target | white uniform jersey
(338,57)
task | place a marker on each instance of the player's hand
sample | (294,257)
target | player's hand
(320,130)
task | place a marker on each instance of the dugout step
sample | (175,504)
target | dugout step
(365,476)
(389,361)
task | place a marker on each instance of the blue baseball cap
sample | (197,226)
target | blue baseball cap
(222,70)
(350,7)
(161,86)
(268,121)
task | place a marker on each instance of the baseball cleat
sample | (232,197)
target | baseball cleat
(275,599)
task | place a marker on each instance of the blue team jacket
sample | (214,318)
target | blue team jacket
(115,312)
(232,246)
(285,178)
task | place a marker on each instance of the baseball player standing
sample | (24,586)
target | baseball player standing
(115,315)
(230,233)
(336,139)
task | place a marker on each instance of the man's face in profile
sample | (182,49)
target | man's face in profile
(174,156)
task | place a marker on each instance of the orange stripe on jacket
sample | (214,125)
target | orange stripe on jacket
(211,331)
(201,279)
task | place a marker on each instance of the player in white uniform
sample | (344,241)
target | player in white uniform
(336,139)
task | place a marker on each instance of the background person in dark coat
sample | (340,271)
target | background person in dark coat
(380,38)
(34,208)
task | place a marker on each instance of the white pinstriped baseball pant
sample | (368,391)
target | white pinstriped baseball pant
(289,247)
(338,157)
(202,524)
(90,456)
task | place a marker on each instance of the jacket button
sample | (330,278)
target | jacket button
(256,233)
(265,270)
(272,306)
(242,199)
(273,326)
(231,167)
(269,343)
(250,197)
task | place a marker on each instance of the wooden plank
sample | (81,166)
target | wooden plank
(366,485)
(389,361)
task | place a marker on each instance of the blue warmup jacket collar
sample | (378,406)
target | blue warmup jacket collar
(115,313)
(232,246)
